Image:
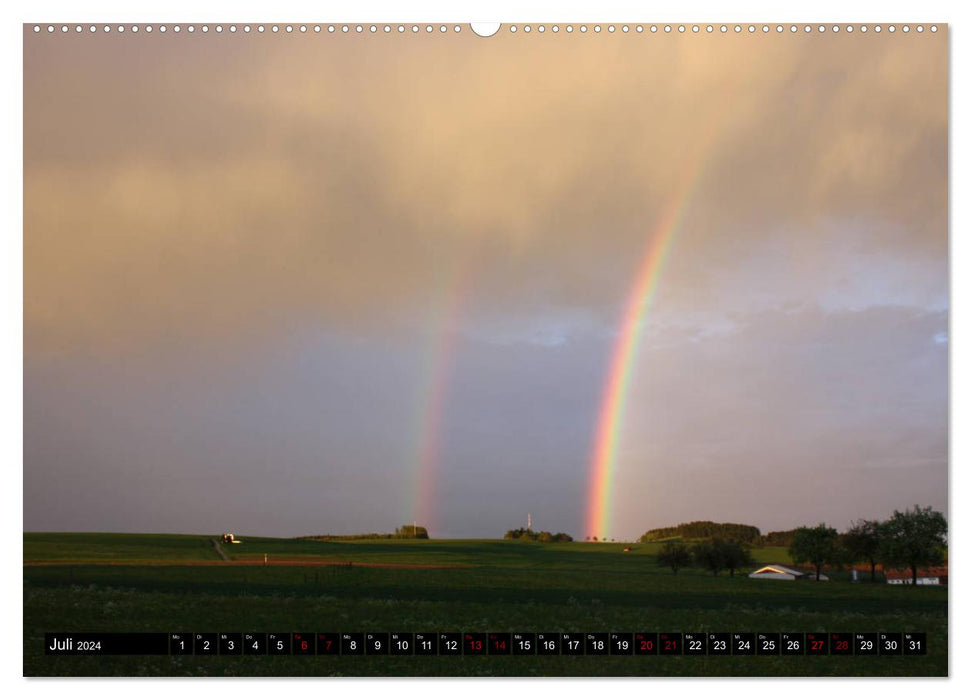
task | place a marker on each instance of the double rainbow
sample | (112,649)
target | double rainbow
(603,465)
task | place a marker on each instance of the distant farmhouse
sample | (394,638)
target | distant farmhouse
(934,576)
(784,573)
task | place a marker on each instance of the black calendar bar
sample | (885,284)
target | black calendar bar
(106,643)
(412,644)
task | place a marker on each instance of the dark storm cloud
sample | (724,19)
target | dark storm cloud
(228,184)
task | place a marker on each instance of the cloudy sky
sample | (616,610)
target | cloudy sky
(290,285)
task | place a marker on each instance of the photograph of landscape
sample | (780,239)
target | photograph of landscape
(563,345)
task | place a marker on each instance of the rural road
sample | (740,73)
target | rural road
(219,550)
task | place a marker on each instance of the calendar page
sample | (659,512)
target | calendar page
(520,349)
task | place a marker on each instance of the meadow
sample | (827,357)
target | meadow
(178,583)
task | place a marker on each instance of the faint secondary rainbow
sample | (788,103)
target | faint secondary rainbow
(621,369)
(439,363)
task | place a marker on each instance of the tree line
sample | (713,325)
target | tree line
(522,533)
(913,538)
(705,529)
(778,538)
(714,555)
(405,532)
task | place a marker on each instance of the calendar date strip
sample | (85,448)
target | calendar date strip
(487,643)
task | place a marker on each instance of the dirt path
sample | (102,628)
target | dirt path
(219,550)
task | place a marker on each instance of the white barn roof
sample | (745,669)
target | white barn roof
(777,569)
(782,573)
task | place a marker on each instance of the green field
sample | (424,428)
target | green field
(172,583)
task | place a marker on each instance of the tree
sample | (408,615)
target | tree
(411,532)
(709,555)
(915,538)
(863,543)
(736,555)
(815,545)
(674,555)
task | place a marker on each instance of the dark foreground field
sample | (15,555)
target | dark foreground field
(178,583)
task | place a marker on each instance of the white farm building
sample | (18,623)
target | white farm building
(783,573)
